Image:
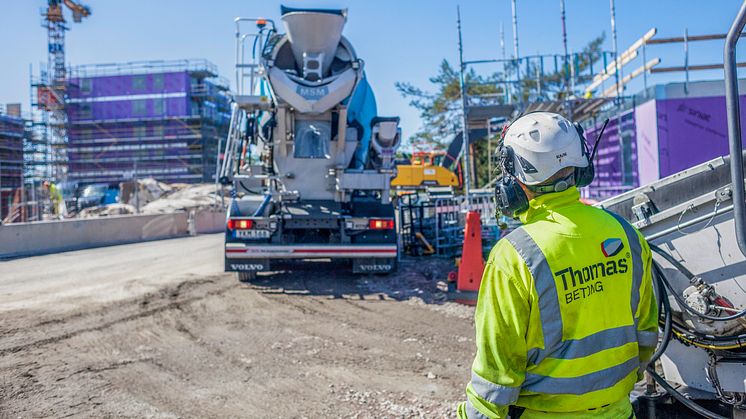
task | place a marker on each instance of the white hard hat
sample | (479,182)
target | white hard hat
(543,143)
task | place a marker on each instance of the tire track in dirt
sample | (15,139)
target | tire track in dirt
(340,345)
(170,294)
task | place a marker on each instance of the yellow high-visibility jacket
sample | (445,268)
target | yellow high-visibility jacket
(566,317)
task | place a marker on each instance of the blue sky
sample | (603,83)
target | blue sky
(402,40)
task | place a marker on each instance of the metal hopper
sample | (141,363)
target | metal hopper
(314,49)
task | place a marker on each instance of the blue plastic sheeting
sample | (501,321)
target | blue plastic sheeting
(361,109)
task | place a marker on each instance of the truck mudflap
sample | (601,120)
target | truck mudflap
(244,252)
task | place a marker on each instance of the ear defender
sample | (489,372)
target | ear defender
(584,175)
(509,196)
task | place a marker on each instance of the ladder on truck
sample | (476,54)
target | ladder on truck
(232,156)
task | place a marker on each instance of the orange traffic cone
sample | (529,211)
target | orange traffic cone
(472,262)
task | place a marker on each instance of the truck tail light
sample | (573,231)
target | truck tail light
(381,224)
(240,224)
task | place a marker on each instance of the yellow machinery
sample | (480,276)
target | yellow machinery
(423,171)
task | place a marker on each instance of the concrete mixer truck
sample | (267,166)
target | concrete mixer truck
(307,159)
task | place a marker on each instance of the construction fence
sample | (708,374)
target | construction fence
(433,224)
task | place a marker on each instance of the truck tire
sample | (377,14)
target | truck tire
(245,276)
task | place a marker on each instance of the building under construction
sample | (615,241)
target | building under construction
(660,131)
(12,133)
(160,119)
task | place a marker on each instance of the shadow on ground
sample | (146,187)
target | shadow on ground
(422,278)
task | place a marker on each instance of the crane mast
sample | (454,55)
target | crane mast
(51,97)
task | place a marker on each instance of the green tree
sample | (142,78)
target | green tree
(440,111)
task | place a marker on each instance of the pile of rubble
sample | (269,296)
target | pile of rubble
(183,198)
(154,197)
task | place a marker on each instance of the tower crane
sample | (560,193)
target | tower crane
(51,95)
(54,21)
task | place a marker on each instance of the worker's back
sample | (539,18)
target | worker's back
(566,317)
(581,270)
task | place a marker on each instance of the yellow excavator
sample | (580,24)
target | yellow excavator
(423,170)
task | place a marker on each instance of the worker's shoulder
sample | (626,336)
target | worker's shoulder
(626,227)
(505,252)
(621,221)
(507,262)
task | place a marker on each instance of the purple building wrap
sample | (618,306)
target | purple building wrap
(692,131)
(646,131)
(134,84)
(616,159)
(147,119)
(674,130)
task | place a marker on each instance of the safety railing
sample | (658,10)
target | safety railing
(734,126)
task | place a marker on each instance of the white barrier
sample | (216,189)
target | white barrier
(207,221)
(28,239)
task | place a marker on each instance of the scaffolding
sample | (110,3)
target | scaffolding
(45,149)
(12,133)
(160,119)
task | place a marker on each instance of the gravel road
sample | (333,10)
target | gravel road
(158,330)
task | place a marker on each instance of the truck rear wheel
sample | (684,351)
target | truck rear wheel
(245,276)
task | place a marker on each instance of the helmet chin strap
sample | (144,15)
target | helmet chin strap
(559,185)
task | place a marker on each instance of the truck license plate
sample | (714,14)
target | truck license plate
(252,234)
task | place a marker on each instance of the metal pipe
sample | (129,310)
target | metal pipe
(573,67)
(707,217)
(614,47)
(564,43)
(240,63)
(734,126)
(502,40)
(489,151)
(465,122)
(644,73)
(686,60)
(506,86)
(515,30)
(238,21)
(517,57)
(238,57)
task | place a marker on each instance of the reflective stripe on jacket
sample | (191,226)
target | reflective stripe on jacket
(566,315)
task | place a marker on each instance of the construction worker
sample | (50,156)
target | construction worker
(566,319)
(55,196)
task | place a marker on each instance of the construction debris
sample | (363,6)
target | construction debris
(153,197)
(107,210)
(183,197)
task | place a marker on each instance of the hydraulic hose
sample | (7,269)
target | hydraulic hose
(689,276)
(681,398)
(666,310)
(671,260)
(668,326)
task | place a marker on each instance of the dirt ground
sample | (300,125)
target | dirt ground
(83,335)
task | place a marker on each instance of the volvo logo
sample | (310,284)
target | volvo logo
(247,266)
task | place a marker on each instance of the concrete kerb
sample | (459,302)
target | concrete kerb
(31,239)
